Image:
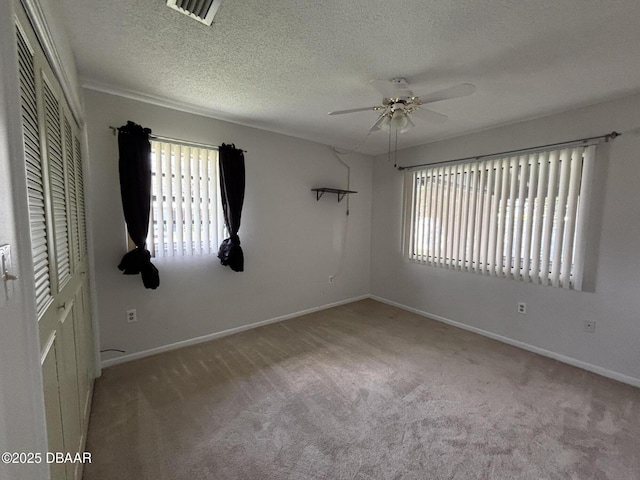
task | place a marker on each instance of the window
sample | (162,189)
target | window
(186,213)
(521,217)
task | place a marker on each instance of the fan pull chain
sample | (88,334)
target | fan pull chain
(395,153)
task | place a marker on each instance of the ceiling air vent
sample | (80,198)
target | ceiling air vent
(200,10)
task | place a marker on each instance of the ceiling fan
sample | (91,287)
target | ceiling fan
(399,103)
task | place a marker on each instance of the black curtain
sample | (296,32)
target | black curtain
(135,188)
(232,181)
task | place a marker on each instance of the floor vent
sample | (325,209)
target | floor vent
(200,10)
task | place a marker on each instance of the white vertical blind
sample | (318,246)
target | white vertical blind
(457,230)
(156,201)
(468,249)
(510,210)
(440,218)
(485,223)
(493,230)
(422,198)
(547,212)
(432,200)
(188,202)
(207,214)
(521,217)
(178,181)
(169,224)
(584,201)
(196,206)
(186,210)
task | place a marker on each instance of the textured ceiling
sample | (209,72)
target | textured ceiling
(282,65)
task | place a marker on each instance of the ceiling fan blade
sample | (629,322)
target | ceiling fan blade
(384,87)
(429,115)
(353,110)
(376,126)
(461,90)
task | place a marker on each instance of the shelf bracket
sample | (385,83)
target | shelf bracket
(339,192)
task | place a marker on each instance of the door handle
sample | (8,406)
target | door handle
(9,276)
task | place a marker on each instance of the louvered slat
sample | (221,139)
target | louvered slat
(71,191)
(82,219)
(31,134)
(57,185)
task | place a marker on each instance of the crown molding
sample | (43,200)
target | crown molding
(37,17)
(166,102)
(90,84)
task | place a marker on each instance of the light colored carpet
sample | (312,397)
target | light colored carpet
(362,391)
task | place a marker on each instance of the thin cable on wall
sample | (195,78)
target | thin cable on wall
(357,147)
(335,154)
(343,243)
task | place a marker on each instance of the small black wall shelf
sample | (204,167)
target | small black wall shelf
(341,193)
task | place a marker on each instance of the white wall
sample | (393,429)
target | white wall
(291,242)
(555,316)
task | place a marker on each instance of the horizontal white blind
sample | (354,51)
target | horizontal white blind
(520,217)
(35,185)
(186,215)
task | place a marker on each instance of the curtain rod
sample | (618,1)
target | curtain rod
(581,141)
(187,143)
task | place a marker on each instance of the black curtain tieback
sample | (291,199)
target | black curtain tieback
(133,261)
(138,261)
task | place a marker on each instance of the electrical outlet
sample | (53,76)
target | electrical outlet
(589,326)
(132,316)
(330,278)
(522,308)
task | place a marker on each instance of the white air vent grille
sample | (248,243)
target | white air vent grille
(200,10)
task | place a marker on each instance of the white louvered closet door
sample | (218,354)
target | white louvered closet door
(54,172)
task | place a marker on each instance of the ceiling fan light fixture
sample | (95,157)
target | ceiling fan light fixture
(399,120)
(385,126)
(408,126)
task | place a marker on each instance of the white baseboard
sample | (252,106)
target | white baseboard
(516,343)
(223,333)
